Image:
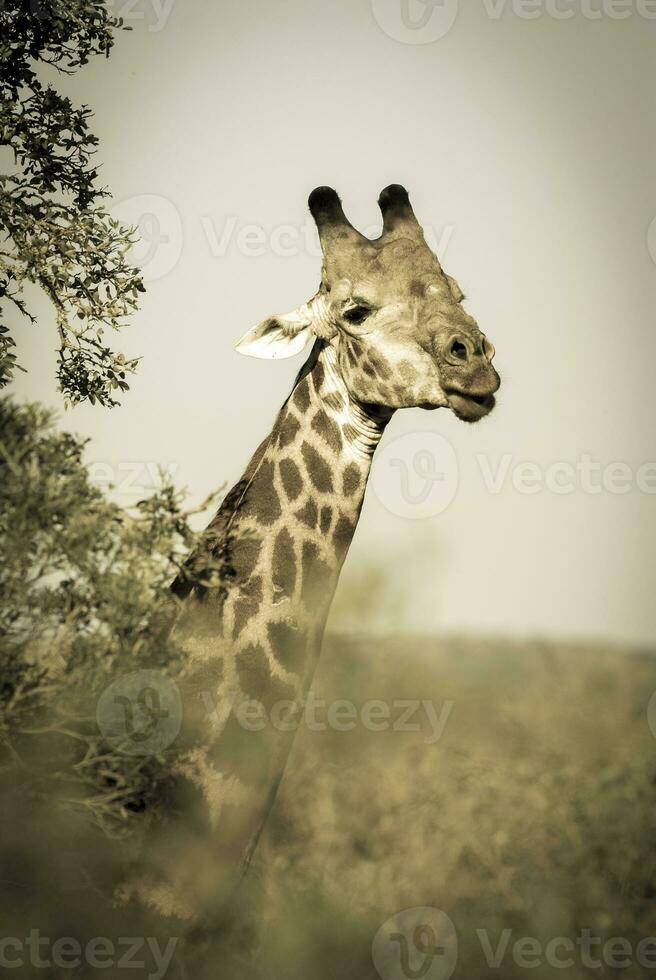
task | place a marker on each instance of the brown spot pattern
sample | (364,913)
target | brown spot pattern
(255,678)
(343,534)
(284,563)
(288,430)
(318,469)
(244,555)
(302,396)
(350,480)
(309,514)
(408,372)
(318,376)
(381,364)
(315,573)
(288,645)
(291,478)
(261,501)
(326,519)
(328,429)
(247,605)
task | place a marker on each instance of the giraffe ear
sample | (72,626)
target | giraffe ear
(278,336)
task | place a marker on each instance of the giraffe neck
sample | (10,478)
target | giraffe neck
(285,530)
(292,528)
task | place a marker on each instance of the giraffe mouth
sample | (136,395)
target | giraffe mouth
(468,407)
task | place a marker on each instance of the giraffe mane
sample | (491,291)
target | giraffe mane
(317,347)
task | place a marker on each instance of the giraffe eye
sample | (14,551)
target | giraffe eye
(357,314)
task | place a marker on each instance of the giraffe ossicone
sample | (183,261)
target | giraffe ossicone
(389,331)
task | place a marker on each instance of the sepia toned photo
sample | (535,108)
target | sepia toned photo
(327,489)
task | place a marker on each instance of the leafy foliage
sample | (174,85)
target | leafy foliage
(55,229)
(86,599)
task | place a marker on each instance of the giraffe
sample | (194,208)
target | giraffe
(389,331)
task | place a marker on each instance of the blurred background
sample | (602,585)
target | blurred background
(524,133)
(501,579)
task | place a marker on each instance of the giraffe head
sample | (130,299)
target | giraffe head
(395,318)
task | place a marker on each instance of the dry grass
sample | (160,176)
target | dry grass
(533,811)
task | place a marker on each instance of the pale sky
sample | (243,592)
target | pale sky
(527,145)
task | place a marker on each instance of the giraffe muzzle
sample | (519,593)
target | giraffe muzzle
(470,407)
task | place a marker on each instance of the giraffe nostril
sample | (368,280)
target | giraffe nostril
(458,350)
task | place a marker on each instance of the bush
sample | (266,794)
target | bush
(56,230)
(86,600)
